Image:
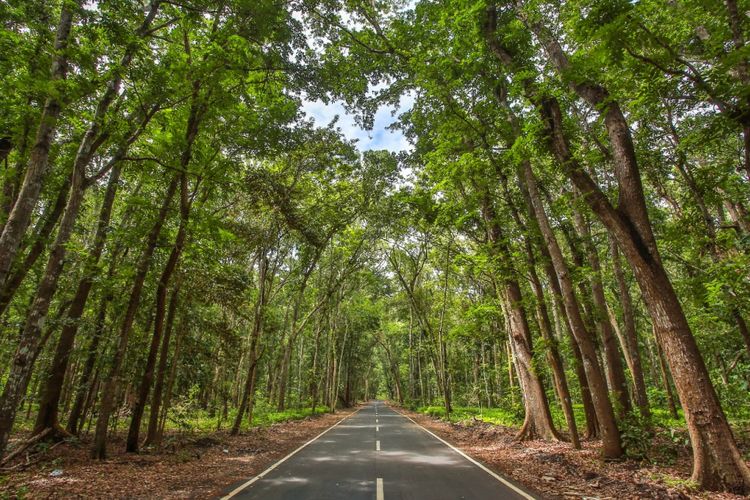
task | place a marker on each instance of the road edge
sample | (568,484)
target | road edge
(521,490)
(251,481)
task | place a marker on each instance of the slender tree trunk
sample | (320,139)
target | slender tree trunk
(20,214)
(99,449)
(443,352)
(160,308)
(717,462)
(191,133)
(42,233)
(47,416)
(592,424)
(553,357)
(174,365)
(249,386)
(629,338)
(86,383)
(538,419)
(295,330)
(615,370)
(314,370)
(612,446)
(152,437)
(30,342)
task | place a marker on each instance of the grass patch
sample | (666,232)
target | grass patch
(497,416)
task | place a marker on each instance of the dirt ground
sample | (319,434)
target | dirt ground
(187,467)
(555,470)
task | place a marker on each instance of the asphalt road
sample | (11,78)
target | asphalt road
(378,454)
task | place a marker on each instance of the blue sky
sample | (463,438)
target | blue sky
(377,138)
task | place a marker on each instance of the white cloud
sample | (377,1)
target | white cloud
(380,137)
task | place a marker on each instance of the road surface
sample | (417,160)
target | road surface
(377,454)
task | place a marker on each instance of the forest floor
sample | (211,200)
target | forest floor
(558,471)
(188,466)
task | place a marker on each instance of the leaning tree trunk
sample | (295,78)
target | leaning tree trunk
(173,370)
(629,337)
(160,307)
(152,434)
(249,386)
(48,285)
(615,369)
(42,231)
(538,419)
(47,416)
(717,463)
(553,354)
(20,214)
(99,448)
(612,446)
(592,424)
(191,133)
(85,384)
(30,342)
(543,320)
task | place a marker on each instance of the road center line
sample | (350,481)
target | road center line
(377,445)
(244,485)
(377,428)
(379,489)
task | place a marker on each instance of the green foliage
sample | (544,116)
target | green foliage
(497,416)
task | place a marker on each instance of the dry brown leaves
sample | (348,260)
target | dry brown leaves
(555,470)
(187,466)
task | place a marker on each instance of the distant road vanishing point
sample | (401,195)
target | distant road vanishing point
(377,453)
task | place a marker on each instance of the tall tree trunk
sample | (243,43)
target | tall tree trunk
(592,424)
(543,320)
(152,434)
(30,341)
(174,365)
(99,448)
(615,370)
(612,446)
(47,416)
(160,308)
(629,337)
(295,331)
(20,214)
(260,305)
(717,462)
(85,383)
(553,355)
(42,232)
(538,419)
(191,133)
